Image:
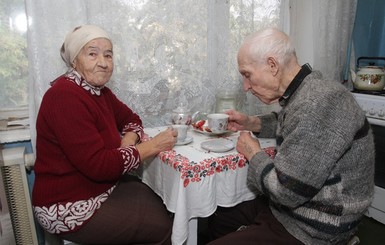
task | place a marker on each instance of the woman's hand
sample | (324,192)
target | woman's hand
(129,138)
(164,141)
(239,121)
(247,145)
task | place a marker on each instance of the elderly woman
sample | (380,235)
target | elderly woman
(87,143)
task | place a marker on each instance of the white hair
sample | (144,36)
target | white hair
(270,42)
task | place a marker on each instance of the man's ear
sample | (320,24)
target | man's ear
(273,64)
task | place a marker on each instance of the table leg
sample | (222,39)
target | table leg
(192,238)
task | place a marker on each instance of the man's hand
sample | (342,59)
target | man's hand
(247,145)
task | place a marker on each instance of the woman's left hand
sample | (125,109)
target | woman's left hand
(128,139)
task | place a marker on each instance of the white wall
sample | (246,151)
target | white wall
(301,32)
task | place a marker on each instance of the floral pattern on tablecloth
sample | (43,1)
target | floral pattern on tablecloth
(195,171)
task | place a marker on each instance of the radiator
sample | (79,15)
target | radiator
(13,163)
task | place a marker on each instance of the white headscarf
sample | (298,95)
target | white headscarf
(76,40)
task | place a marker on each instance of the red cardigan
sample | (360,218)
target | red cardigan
(78,154)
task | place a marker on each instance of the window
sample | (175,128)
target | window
(162,52)
(13,54)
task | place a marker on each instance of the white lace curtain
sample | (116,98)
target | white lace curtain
(172,51)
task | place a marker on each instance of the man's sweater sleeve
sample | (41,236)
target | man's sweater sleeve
(269,125)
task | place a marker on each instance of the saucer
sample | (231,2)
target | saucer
(186,141)
(218,145)
(203,131)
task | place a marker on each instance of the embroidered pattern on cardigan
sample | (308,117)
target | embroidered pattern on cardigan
(66,217)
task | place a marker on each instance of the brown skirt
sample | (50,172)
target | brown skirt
(133,214)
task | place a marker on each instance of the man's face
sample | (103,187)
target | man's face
(258,78)
(95,62)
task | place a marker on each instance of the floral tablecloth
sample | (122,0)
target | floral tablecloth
(191,171)
(192,181)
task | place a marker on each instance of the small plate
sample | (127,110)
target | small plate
(218,145)
(186,141)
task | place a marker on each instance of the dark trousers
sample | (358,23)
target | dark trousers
(250,222)
(133,214)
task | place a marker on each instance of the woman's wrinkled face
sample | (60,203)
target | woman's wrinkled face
(95,62)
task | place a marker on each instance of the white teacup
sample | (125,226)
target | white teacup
(182,131)
(217,122)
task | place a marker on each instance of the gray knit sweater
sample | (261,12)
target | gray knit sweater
(322,179)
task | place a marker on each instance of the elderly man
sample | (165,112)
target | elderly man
(321,181)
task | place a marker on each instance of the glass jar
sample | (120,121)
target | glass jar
(225,100)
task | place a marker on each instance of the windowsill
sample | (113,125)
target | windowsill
(21,111)
(16,135)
